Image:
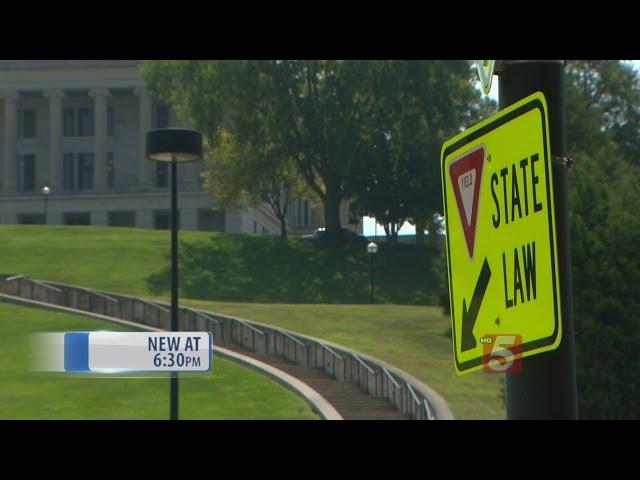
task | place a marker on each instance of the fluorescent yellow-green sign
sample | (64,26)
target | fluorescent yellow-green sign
(501,239)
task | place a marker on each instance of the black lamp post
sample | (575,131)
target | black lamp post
(372,249)
(174,145)
(46,191)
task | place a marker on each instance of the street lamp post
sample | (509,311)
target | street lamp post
(174,145)
(372,249)
(46,191)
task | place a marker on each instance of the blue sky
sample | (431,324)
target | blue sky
(369,223)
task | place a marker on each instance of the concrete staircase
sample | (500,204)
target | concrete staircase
(348,398)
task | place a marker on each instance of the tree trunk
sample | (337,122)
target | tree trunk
(332,214)
(391,233)
(420,227)
(393,240)
(283,227)
(433,233)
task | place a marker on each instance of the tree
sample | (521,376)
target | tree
(603,136)
(605,201)
(605,93)
(419,104)
(311,112)
(242,173)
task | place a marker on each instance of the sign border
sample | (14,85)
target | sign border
(534,101)
(482,146)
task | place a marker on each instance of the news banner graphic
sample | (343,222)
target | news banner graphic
(501,241)
(122,352)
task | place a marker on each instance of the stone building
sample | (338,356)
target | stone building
(78,127)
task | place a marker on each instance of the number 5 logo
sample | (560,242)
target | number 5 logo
(502,353)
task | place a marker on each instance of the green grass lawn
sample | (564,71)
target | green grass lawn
(116,259)
(245,268)
(120,260)
(229,392)
(409,337)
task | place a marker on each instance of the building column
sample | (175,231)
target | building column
(10,177)
(145,113)
(55,217)
(55,138)
(100,96)
(191,170)
(189,219)
(233,221)
(190,173)
(99,218)
(144,219)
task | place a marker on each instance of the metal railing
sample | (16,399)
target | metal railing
(329,360)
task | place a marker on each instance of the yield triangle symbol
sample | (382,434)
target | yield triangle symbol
(466,177)
(485,72)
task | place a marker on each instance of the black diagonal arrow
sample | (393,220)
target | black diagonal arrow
(469,316)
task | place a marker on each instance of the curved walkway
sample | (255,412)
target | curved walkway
(341,383)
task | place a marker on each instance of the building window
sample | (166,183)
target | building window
(83,218)
(110,122)
(162,174)
(85,171)
(162,116)
(85,122)
(28,170)
(69,123)
(122,219)
(110,170)
(27,123)
(30,219)
(69,171)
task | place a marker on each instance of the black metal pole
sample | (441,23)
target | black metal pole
(371,255)
(546,386)
(174,279)
(46,206)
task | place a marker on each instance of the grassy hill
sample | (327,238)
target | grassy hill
(217,266)
(229,392)
(410,337)
(105,258)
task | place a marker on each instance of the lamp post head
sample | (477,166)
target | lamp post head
(46,190)
(372,248)
(169,144)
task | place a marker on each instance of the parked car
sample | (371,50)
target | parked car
(347,235)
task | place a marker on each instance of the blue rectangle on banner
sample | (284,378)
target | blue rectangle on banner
(76,352)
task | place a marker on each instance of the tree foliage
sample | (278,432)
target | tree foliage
(363,130)
(603,134)
(310,112)
(241,173)
(604,97)
(419,104)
